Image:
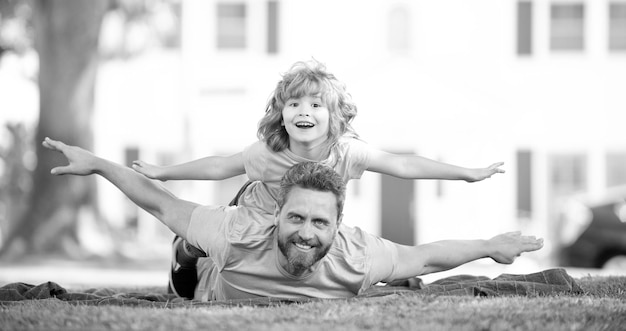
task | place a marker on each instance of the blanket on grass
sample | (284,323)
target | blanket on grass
(547,282)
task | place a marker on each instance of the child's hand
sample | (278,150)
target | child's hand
(484,173)
(148,170)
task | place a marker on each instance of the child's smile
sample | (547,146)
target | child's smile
(304,124)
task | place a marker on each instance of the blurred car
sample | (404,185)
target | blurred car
(593,231)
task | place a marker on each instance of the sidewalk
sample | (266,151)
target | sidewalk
(487,267)
(78,275)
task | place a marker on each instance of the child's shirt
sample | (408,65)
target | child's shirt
(266,167)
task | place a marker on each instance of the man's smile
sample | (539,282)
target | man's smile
(303,247)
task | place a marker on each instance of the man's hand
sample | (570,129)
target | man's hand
(504,248)
(484,173)
(148,195)
(81,162)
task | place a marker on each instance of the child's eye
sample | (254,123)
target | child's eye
(316,105)
(293,104)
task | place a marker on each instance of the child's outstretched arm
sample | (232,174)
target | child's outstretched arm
(448,254)
(417,167)
(207,168)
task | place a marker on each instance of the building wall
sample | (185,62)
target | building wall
(439,78)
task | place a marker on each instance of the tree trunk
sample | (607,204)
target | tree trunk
(66,38)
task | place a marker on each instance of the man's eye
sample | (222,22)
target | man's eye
(320,222)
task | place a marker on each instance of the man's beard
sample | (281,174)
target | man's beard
(299,262)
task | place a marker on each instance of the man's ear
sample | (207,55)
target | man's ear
(339,219)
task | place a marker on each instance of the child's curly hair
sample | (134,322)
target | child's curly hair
(307,79)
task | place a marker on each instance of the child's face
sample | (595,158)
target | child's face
(306,120)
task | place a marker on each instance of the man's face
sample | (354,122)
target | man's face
(307,225)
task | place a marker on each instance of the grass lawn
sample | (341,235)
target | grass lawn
(603,307)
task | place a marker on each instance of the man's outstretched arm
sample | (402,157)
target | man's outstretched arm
(145,193)
(448,254)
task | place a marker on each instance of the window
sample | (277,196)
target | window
(231,26)
(567,25)
(130,154)
(131,211)
(524,28)
(617,26)
(398,30)
(616,169)
(272,27)
(524,183)
(397,208)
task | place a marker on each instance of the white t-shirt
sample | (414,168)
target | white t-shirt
(243,259)
(243,251)
(350,159)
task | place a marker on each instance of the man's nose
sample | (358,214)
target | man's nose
(306,231)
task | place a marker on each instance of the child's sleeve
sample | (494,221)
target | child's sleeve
(253,157)
(356,158)
(263,164)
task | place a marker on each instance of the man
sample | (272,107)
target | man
(305,252)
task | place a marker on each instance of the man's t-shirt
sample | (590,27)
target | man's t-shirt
(243,259)
(349,159)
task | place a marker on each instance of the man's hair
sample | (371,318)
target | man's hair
(312,176)
(307,79)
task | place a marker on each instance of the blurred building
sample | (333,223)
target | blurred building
(536,84)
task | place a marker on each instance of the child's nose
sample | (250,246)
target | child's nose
(305,110)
